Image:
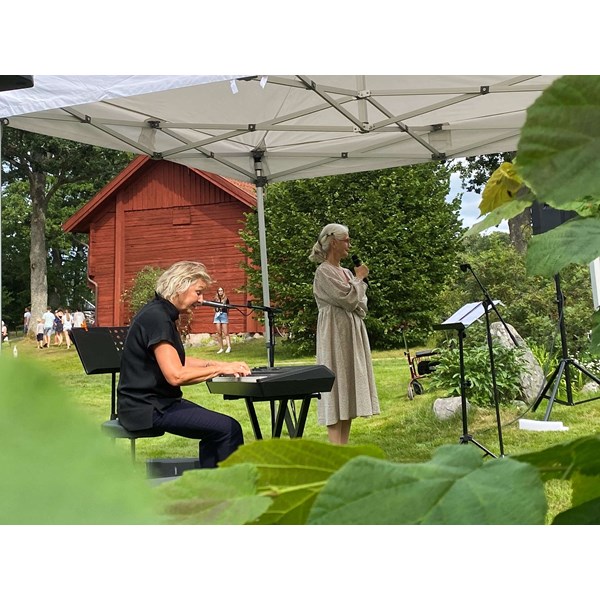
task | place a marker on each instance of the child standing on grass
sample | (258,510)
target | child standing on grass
(39,333)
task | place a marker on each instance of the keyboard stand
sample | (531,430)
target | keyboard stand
(279,417)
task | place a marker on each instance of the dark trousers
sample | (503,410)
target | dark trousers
(219,434)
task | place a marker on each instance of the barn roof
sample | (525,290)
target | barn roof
(80,222)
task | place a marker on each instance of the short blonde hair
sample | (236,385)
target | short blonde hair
(179,276)
(319,250)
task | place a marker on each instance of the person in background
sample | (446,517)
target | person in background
(48,318)
(39,333)
(221,321)
(342,340)
(26,320)
(4,332)
(57,326)
(78,318)
(67,321)
(154,367)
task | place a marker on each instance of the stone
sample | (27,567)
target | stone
(531,378)
(446,408)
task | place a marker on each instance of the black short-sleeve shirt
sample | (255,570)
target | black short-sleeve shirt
(142,385)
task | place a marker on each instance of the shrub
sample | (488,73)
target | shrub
(478,375)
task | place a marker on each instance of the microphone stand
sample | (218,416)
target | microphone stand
(270,320)
(488,304)
(271,323)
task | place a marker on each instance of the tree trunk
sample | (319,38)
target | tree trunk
(519,229)
(38,254)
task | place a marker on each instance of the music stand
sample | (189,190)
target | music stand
(459,321)
(99,350)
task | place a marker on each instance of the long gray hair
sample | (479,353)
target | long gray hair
(321,248)
(179,276)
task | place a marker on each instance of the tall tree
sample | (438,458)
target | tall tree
(400,225)
(52,167)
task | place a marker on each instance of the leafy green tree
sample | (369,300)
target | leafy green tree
(528,302)
(60,176)
(400,225)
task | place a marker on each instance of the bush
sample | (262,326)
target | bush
(142,289)
(478,373)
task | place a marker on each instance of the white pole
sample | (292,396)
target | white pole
(595,279)
(1,341)
(262,239)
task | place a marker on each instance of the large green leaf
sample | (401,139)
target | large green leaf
(293,472)
(455,487)
(563,461)
(559,147)
(57,467)
(501,188)
(213,497)
(584,514)
(576,241)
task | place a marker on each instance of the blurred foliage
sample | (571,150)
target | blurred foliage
(57,467)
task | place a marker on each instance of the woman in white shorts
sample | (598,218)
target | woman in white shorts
(221,321)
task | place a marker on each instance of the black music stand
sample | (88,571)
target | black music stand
(99,350)
(459,321)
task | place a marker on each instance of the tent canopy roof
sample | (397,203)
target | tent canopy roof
(277,128)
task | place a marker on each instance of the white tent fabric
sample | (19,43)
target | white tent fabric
(276,127)
(300,126)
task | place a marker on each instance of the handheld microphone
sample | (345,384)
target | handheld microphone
(464,267)
(357,263)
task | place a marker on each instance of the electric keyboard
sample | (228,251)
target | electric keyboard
(275,382)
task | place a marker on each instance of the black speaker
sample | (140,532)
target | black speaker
(169,467)
(15,82)
(545,217)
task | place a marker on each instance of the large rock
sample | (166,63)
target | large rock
(531,378)
(446,408)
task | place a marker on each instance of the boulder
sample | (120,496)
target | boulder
(446,408)
(531,378)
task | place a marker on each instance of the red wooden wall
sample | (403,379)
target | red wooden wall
(166,213)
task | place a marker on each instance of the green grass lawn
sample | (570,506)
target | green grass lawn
(406,429)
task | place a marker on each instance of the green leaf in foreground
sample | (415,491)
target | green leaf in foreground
(293,472)
(584,514)
(455,488)
(57,467)
(559,147)
(576,241)
(213,497)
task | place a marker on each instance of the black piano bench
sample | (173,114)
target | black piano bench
(115,430)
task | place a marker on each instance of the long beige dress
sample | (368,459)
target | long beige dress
(343,345)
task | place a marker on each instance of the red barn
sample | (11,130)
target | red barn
(155,213)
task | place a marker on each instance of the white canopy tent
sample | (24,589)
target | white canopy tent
(276,128)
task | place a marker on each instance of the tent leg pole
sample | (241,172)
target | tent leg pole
(264,269)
